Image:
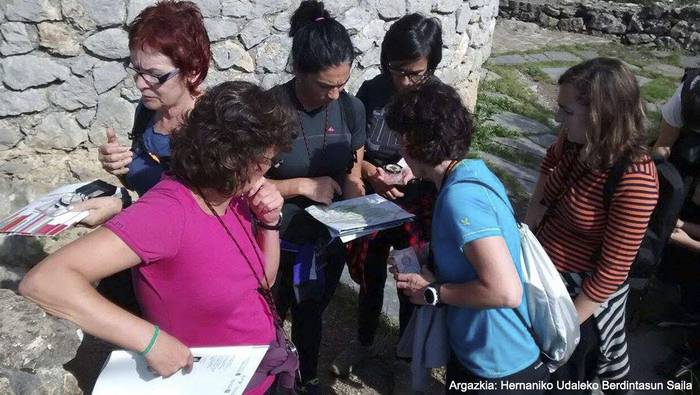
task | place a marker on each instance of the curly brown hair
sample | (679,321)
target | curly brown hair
(615,111)
(229,129)
(434,123)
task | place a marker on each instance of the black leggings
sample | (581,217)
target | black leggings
(459,380)
(307,315)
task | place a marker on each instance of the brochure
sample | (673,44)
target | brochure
(216,370)
(49,215)
(353,218)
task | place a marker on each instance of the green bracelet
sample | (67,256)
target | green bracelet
(156,332)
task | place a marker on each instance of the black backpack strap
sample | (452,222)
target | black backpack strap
(141,118)
(614,177)
(686,92)
(347,111)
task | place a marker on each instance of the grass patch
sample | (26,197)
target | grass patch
(510,84)
(535,71)
(660,88)
(511,154)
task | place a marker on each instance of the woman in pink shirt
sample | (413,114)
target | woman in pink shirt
(203,244)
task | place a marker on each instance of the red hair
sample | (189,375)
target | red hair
(175,29)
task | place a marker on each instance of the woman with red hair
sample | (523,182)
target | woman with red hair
(170,58)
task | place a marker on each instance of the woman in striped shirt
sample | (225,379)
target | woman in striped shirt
(601,119)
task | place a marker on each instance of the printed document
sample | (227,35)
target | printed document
(217,370)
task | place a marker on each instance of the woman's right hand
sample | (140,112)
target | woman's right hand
(169,355)
(321,189)
(113,156)
(380,185)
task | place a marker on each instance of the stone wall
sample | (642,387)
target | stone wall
(660,24)
(63,81)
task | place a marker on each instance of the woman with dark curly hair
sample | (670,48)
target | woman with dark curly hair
(411,51)
(203,244)
(593,243)
(322,166)
(475,245)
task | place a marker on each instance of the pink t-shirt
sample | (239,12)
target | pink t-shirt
(193,281)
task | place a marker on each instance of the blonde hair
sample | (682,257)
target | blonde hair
(615,112)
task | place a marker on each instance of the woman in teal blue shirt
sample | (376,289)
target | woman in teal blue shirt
(475,245)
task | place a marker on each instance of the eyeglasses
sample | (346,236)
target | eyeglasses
(416,77)
(150,78)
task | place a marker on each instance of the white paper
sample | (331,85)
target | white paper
(352,218)
(217,370)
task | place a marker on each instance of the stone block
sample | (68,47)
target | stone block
(464,16)
(10,134)
(446,6)
(666,70)
(91,14)
(114,112)
(32,339)
(255,32)
(236,8)
(560,56)
(57,131)
(134,7)
(693,43)
(636,38)
(681,30)
(355,19)
(389,10)
(82,65)
(109,44)
(221,28)
(547,21)
(107,75)
(17,38)
(667,42)
(690,13)
(73,94)
(25,102)
(607,23)
(507,60)
(553,73)
(85,117)
(281,22)
(32,10)
(228,54)
(44,381)
(209,8)
(370,58)
(26,71)
(271,56)
(420,6)
(59,38)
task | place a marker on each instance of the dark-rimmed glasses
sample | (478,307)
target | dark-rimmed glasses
(152,79)
(415,76)
(274,162)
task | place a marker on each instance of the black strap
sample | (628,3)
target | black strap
(141,118)
(687,110)
(614,176)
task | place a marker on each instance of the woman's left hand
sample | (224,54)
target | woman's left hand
(265,202)
(413,284)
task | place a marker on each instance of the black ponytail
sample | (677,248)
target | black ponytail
(319,41)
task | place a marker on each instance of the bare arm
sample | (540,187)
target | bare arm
(318,189)
(585,307)
(75,267)
(353,186)
(497,284)
(269,242)
(667,137)
(535,208)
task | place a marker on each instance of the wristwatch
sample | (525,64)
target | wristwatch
(263,225)
(431,294)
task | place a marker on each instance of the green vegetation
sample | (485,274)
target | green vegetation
(660,88)
(511,84)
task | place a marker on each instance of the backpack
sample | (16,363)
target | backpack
(663,218)
(555,327)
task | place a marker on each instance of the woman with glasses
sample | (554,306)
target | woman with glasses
(194,291)
(323,166)
(170,57)
(411,51)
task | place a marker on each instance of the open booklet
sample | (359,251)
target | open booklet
(50,215)
(216,370)
(353,218)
